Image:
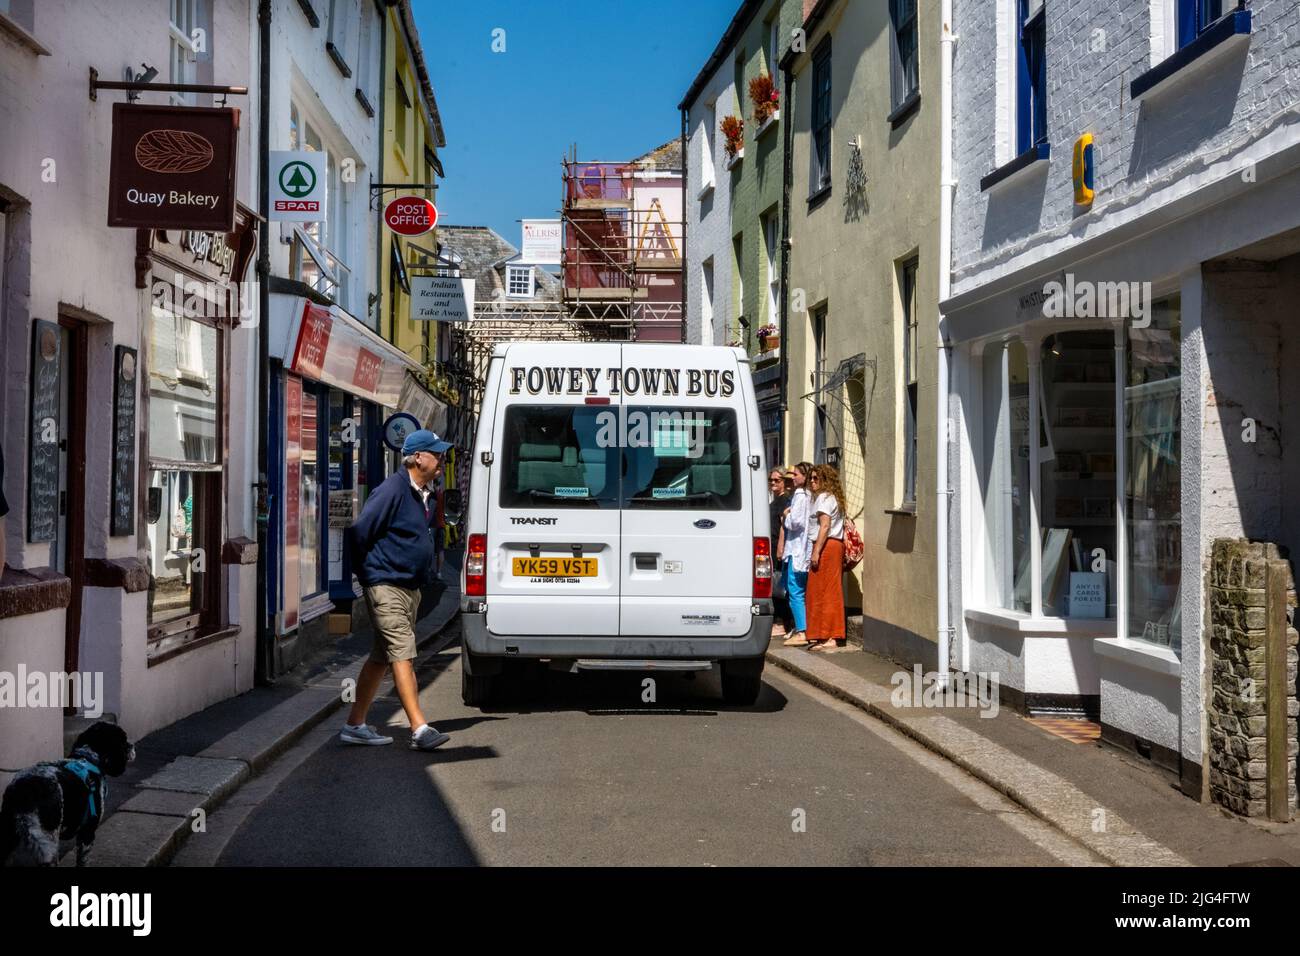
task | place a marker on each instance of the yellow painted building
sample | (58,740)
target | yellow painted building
(412,136)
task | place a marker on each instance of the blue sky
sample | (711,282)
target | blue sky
(607,76)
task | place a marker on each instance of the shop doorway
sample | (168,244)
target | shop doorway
(67,550)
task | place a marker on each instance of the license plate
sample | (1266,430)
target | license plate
(554,567)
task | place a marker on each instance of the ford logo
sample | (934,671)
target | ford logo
(706,523)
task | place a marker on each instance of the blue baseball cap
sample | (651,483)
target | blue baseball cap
(423,440)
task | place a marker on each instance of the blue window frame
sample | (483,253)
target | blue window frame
(1194,17)
(1031,80)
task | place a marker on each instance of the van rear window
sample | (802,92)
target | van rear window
(681,458)
(552,457)
(579,456)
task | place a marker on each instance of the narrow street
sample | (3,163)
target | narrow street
(588,773)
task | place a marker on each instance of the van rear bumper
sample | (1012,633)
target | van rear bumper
(483,643)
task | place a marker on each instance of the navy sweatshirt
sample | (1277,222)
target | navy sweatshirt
(392,540)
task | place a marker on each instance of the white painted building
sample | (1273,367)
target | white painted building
(157,604)
(1079,559)
(326,95)
(709,261)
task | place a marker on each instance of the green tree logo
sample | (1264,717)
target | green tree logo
(297,179)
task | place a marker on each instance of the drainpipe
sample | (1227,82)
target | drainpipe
(943,493)
(264,663)
(787,178)
(685,276)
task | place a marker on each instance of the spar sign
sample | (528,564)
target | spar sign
(410,215)
(298,185)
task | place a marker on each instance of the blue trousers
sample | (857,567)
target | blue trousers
(796,582)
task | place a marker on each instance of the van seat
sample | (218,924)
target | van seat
(712,470)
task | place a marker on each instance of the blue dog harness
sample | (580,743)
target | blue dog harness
(84,764)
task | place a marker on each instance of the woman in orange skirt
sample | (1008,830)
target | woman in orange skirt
(826,578)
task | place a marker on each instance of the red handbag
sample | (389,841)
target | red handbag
(852,545)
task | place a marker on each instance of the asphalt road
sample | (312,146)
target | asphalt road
(589,773)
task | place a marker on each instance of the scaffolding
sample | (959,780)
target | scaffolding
(621,266)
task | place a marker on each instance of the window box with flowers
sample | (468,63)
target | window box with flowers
(769,338)
(767,101)
(733,131)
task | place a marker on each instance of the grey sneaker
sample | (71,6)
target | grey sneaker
(364,734)
(427,737)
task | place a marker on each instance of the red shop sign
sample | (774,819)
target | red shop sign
(367,372)
(313,341)
(410,215)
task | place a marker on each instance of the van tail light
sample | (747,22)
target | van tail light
(762,568)
(476,566)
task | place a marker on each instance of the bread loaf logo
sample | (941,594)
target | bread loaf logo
(173,151)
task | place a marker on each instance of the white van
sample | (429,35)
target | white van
(618,516)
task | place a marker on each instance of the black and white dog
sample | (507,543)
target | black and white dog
(62,799)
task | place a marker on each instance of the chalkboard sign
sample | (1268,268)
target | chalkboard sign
(43,434)
(124,392)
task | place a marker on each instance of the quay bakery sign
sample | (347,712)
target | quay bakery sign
(173,167)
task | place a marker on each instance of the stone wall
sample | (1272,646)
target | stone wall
(1236,715)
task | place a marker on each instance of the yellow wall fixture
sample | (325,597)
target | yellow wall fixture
(1083,170)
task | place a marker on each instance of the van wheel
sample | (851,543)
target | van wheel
(476,691)
(740,690)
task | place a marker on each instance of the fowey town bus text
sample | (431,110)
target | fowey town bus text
(577,380)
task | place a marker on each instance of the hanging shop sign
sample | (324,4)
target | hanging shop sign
(442,299)
(542,241)
(299,185)
(336,350)
(410,215)
(397,427)
(173,167)
(420,402)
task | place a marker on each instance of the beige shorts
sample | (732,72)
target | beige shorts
(392,616)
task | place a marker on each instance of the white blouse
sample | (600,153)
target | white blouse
(798,528)
(827,505)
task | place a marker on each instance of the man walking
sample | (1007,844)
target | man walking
(392,547)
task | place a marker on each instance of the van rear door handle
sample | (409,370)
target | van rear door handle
(645,562)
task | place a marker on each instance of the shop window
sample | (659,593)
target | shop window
(1005,478)
(1077,474)
(309,514)
(1153,483)
(183,499)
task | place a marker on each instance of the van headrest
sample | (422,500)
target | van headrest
(538,452)
(715,453)
(570,456)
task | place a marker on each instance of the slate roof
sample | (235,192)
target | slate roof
(667,156)
(484,254)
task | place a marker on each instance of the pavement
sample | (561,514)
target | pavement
(183,772)
(1122,809)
